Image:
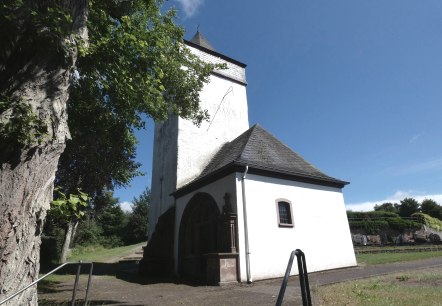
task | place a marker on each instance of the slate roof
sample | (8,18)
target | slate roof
(264,154)
(200,40)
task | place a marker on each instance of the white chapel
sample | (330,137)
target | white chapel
(230,202)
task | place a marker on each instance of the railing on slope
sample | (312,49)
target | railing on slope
(303,279)
(74,291)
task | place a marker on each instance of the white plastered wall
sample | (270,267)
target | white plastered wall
(216,190)
(320,229)
(226,103)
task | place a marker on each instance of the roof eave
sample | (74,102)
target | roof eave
(299,177)
(239,166)
(215,53)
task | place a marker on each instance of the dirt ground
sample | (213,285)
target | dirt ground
(112,291)
(128,289)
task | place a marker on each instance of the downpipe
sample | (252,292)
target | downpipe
(246,229)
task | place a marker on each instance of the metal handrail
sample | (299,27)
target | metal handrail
(303,279)
(74,292)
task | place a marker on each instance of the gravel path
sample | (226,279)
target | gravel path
(130,290)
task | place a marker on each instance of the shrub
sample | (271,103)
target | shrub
(88,233)
(371,227)
(401,224)
(429,221)
(374,222)
(371,215)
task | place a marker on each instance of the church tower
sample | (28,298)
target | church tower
(181,149)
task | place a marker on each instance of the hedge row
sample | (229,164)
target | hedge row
(370,227)
(371,215)
(373,227)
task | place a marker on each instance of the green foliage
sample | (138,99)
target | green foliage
(375,222)
(136,229)
(371,215)
(390,207)
(401,224)
(89,233)
(430,207)
(408,207)
(134,65)
(101,153)
(386,216)
(64,210)
(429,221)
(113,221)
(371,227)
(72,206)
(102,201)
(105,223)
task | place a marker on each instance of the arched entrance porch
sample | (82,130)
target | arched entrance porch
(198,235)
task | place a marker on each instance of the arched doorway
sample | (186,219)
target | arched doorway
(198,235)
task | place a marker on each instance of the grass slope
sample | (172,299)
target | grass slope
(423,288)
(101,254)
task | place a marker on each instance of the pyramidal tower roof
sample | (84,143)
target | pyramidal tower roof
(200,40)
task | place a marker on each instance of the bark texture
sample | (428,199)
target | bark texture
(38,74)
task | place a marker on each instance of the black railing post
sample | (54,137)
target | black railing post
(88,284)
(74,292)
(285,280)
(303,279)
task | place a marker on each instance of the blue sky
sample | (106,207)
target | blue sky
(354,86)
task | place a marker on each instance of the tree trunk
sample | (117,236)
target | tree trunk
(74,232)
(39,75)
(69,236)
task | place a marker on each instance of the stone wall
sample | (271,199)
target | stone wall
(423,235)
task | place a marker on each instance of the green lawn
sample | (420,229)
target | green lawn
(380,258)
(421,287)
(414,288)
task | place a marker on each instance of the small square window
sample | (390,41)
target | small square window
(285,217)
